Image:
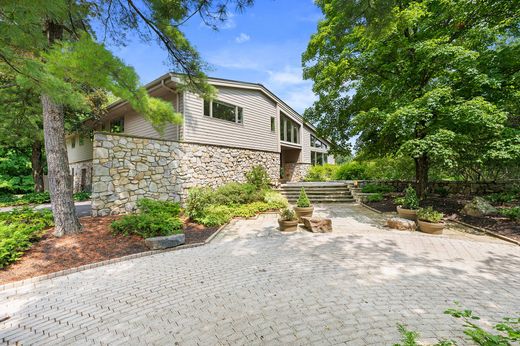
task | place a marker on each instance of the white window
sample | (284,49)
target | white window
(318,158)
(289,130)
(224,111)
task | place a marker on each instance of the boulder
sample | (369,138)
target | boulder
(401,224)
(317,224)
(157,243)
(478,207)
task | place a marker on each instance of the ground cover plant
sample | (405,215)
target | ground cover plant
(428,214)
(7,200)
(377,188)
(153,219)
(19,229)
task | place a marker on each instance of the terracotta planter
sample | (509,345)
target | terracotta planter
(410,214)
(288,226)
(307,212)
(431,227)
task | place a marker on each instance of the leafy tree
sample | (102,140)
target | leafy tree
(54,51)
(435,80)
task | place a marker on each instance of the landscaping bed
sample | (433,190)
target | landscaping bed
(451,207)
(96,243)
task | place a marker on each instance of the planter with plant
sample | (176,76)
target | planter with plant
(430,221)
(303,207)
(288,220)
(408,205)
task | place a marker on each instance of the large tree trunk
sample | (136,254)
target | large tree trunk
(60,181)
(421,175)
(37,165)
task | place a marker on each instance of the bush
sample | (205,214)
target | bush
(258,177)
(19,229)
(155,218)
(352,170)
(236,193)
(377,188)
(275,200)
(82,196)
(375,198)
(442,191)
(303,201)
(216,215)
(410,201)
(287,214)
(199,198)
(511,213)
(429,215)
(324,172)
(503,197)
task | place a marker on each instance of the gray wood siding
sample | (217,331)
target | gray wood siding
(254,133)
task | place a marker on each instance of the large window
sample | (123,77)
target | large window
(316,143)
(224,111)
(289,130)
(318,158)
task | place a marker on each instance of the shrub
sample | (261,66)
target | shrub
(324,172)
(275,200)
(377,188)
(399,200)
(503,197)
(429,215)
(410,198)
(199,198)
(442,191)
(375,198)
(352,170)
(287,214)
(511,213)
(150,206)
(19,229)
(258,177)
(82,196)
(303,201)
(216,215)
(236,193)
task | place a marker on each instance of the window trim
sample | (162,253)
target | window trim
(291,127)
(273,124)
(324,157)
(314,139)
(239,111)
(73,142)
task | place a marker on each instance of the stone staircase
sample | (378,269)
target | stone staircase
(322,192)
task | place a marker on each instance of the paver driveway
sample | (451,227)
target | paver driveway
(253,285)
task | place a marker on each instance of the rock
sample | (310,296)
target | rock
(157,243)
(317,224)
(401,224)
(478,207)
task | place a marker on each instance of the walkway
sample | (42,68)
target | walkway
(253,285)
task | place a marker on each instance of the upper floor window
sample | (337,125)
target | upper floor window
(316,143)
(117,125)
(318,158)
(273,124)
(81,140)
(224,111)
(289,129)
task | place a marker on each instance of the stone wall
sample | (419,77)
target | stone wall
(126,169)
(81,176)
(295,172)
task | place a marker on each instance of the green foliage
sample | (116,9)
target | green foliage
(237,193)
(216,215)
(303,201)
(36,198)
(352,170)
(429,215)
(409,338)
(503,197)
(275,200)
(512,213)
(198,199)
(287,214)
(399,200)
(155,218)
(15,167)
(442,191)
(82,196)
(258,177)
(324,172)
(19,229)
(377,197)
(410,198)
(377,188)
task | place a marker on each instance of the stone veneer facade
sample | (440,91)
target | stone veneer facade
(296,172)
(126,169)
(81,173)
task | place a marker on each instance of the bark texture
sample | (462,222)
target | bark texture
(60,181)
(37,165)
(421,175)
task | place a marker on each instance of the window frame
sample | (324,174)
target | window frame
(273,124)
(290,130)
(73,142)
(115,122)
(317,156)
(239,111)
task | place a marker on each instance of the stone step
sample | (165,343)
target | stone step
(311,195)
(327,200)
(314,190)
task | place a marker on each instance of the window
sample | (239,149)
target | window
(224,111)
(81,140)
(73,142)
(273,124)
(316,143)
(117,125)
(289,130)
(318,158)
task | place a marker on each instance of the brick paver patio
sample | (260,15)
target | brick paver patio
(253,285)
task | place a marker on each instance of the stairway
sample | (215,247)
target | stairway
(319,192)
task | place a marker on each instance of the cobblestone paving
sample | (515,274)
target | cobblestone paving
(253,285)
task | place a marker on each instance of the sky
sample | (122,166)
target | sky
(263,44)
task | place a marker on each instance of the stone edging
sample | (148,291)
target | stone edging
(370,208)
(44,277)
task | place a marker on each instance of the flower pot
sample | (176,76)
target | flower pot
(410,214)
(288,226)
(431,227)
(306,211)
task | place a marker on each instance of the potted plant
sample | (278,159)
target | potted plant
(408,205)
(430,221)
(303,206)
(288,220)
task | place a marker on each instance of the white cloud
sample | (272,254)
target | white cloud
(242,38)
(289,75)
(228,23)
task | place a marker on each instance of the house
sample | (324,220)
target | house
(218,142)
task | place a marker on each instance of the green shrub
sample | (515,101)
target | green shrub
(429,215)
(258,177)
(503,197)
(216,215)
(19,229)
(324,172)
(352,170)
(377,188)
(303,201)
(275,200)
(375,198)
(199,198)
(236,193)
(287,214)
(411,201)
(399,200)
(155,218)
(511,213)
(251,209)
(82,196)
(442,191)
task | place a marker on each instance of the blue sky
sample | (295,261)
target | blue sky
(261,45)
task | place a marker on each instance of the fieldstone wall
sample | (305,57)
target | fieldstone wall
(126,169)
(81,176)
(296,172)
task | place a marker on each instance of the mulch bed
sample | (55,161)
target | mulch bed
(96,243)
(451,207)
